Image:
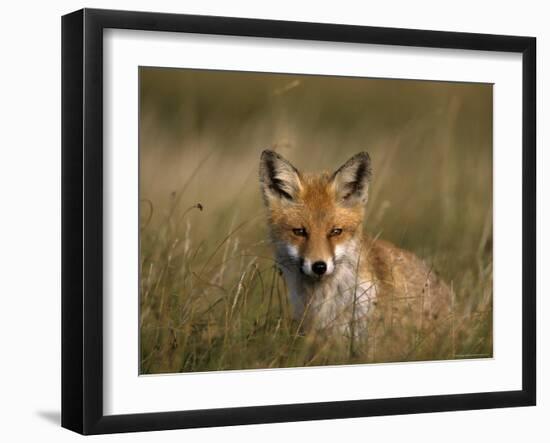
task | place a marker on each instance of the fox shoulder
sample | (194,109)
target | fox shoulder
(403,274)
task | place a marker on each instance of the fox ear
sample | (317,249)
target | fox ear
(351,180)
(279,179)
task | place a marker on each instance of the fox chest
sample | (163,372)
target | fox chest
(336,304)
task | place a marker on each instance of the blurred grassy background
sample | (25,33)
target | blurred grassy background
(210,296)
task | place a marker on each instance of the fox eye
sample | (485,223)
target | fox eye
(334,232)
(300,232)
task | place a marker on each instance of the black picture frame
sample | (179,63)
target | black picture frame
(82,220)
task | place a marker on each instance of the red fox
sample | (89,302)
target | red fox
(337,275)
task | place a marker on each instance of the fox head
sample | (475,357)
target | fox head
(315,219)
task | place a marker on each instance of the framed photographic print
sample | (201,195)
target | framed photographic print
(269,221)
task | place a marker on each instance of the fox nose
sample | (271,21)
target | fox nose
(319,267)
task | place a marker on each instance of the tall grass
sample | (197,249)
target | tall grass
(211,296)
